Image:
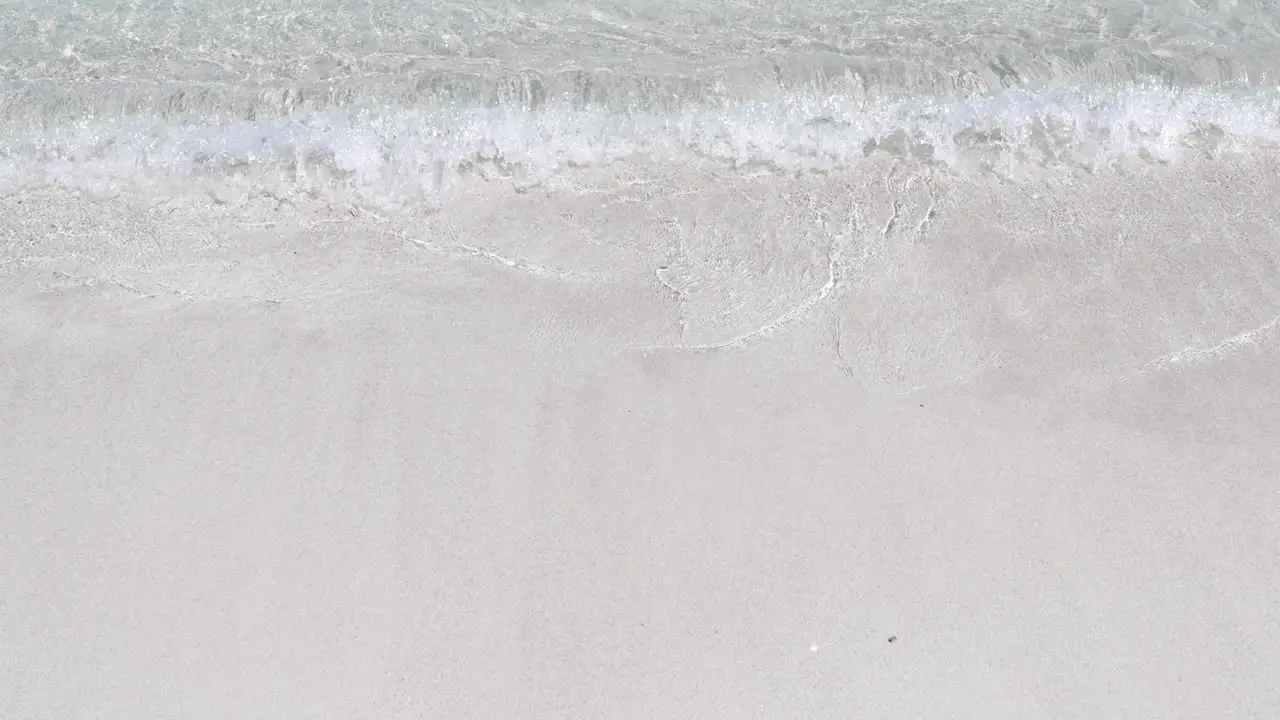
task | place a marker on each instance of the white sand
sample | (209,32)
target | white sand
(450,489)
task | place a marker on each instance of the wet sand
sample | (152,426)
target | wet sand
(344,475)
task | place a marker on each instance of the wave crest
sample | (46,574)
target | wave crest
(391,155)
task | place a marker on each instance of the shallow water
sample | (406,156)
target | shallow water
(950,186)
(393,104)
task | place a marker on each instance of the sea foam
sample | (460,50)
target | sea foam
(387,155)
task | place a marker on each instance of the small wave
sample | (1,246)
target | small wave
(389,156)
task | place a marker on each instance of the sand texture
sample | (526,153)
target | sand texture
(821,447)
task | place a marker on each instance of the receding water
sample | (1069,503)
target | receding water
(871,144)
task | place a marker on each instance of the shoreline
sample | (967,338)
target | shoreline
(434,485)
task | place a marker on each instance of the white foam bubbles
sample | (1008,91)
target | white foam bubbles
(392,155)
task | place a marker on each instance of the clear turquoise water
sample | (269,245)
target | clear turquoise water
(395,101)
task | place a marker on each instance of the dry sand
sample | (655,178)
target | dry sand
(465,491)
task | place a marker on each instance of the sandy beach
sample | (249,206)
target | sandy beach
(328,470)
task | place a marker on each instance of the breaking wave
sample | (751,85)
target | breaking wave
(389,156)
